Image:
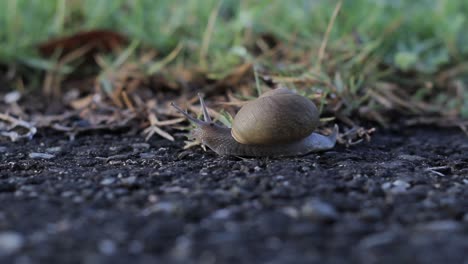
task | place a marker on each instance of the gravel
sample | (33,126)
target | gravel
(114,198)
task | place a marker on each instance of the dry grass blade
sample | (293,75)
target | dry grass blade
(118,77)
(321,53)
(207,35)
(127,101)
(16,123)
(157,66)
(355,136)
(155,124)
(436,170)
(151,130)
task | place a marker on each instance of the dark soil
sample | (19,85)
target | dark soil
(113,198)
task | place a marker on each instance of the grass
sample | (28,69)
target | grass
(408,56)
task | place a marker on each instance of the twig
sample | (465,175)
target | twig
(435,170)
(155,124)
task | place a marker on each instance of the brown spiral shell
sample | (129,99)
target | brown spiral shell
(278,116)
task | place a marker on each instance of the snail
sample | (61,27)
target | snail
(279,123)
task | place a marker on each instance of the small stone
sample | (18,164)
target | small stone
(12,97)
(67,194)
(279,177)
(290,211)
(386,186)
(129,180)
(147,155)
(107,247)
(401,184)
(37,155)
(319,210)
(141,146)
(411,157)
(54,149)
(3,149)
(221,214)
(78,199)
(107,181)
(396,187)
(10,242)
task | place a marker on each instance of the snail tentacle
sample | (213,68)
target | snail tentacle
(186,115)
(206,115)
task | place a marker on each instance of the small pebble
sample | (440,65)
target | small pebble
(67,194)
(107,247)
(12,97)
(78,199)
(147,155)
(54,149)
(129,180)
(3,149)
(37,155)
(107,181)
(279,177)
(396,187)
(221,214)
(290,211)
(401,184)
(10,242)
(410,157)
(141,146)
(319,210)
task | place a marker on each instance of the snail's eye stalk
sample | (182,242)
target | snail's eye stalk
(189,117)
(206,115)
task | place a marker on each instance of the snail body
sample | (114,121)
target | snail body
(279,123)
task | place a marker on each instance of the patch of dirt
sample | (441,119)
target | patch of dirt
(113,198)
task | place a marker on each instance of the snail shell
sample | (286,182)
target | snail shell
(278,116)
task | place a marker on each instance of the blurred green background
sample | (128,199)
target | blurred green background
(408,43)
